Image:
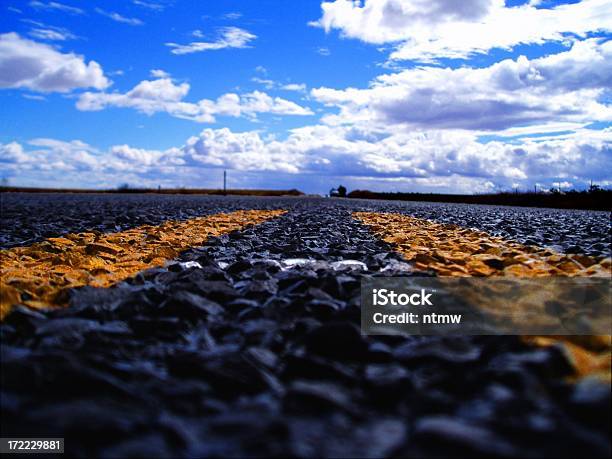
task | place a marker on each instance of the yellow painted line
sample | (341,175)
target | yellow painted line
(450,250)
(40,275)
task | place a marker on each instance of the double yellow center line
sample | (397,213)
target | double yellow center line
(450,250)
(41,274)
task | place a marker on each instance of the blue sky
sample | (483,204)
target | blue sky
(411,95)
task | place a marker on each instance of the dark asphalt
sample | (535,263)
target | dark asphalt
(31,217)
(254,351)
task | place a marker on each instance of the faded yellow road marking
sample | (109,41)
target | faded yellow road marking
(454,251)
(41,274)
(450,250)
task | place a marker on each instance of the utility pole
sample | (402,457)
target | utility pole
(224,183)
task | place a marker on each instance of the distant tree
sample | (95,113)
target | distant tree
(124,187)
(4,181)
(594,188)
(342,191)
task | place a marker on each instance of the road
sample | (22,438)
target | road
(245,339)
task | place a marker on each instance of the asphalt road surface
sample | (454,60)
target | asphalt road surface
(249,345)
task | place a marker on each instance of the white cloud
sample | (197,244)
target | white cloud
(323,51)
(158,73)
(13,153)
(232,16)
(51,34)
(426,160)
(149,5)
(271,84)
(240,151)
(431,29)
(539,129)
(148,96)
(147,158)
(229,37)
(267,83)
(50,155)
(299,87)
(34,97)
(564,87)
(119,18)
(255,102)
(28,64)
(163,95)
(43,31)
(56,6)
(431,156)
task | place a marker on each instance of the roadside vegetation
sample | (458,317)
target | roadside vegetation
(595,198)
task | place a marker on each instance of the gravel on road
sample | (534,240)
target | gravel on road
(41,275)
(32,217)
(250,345)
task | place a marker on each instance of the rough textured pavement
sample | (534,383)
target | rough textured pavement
(255,351)
(31,217)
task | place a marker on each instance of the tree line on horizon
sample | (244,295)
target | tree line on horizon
(594,198)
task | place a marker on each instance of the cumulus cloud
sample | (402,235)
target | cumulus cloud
(158,73)
(13,153)
(39,67)
(163,95)
(564,87)
(431,29)
(148,96)
(244,151)
(49,155)
(431,160)
(228,37)
(146,158)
